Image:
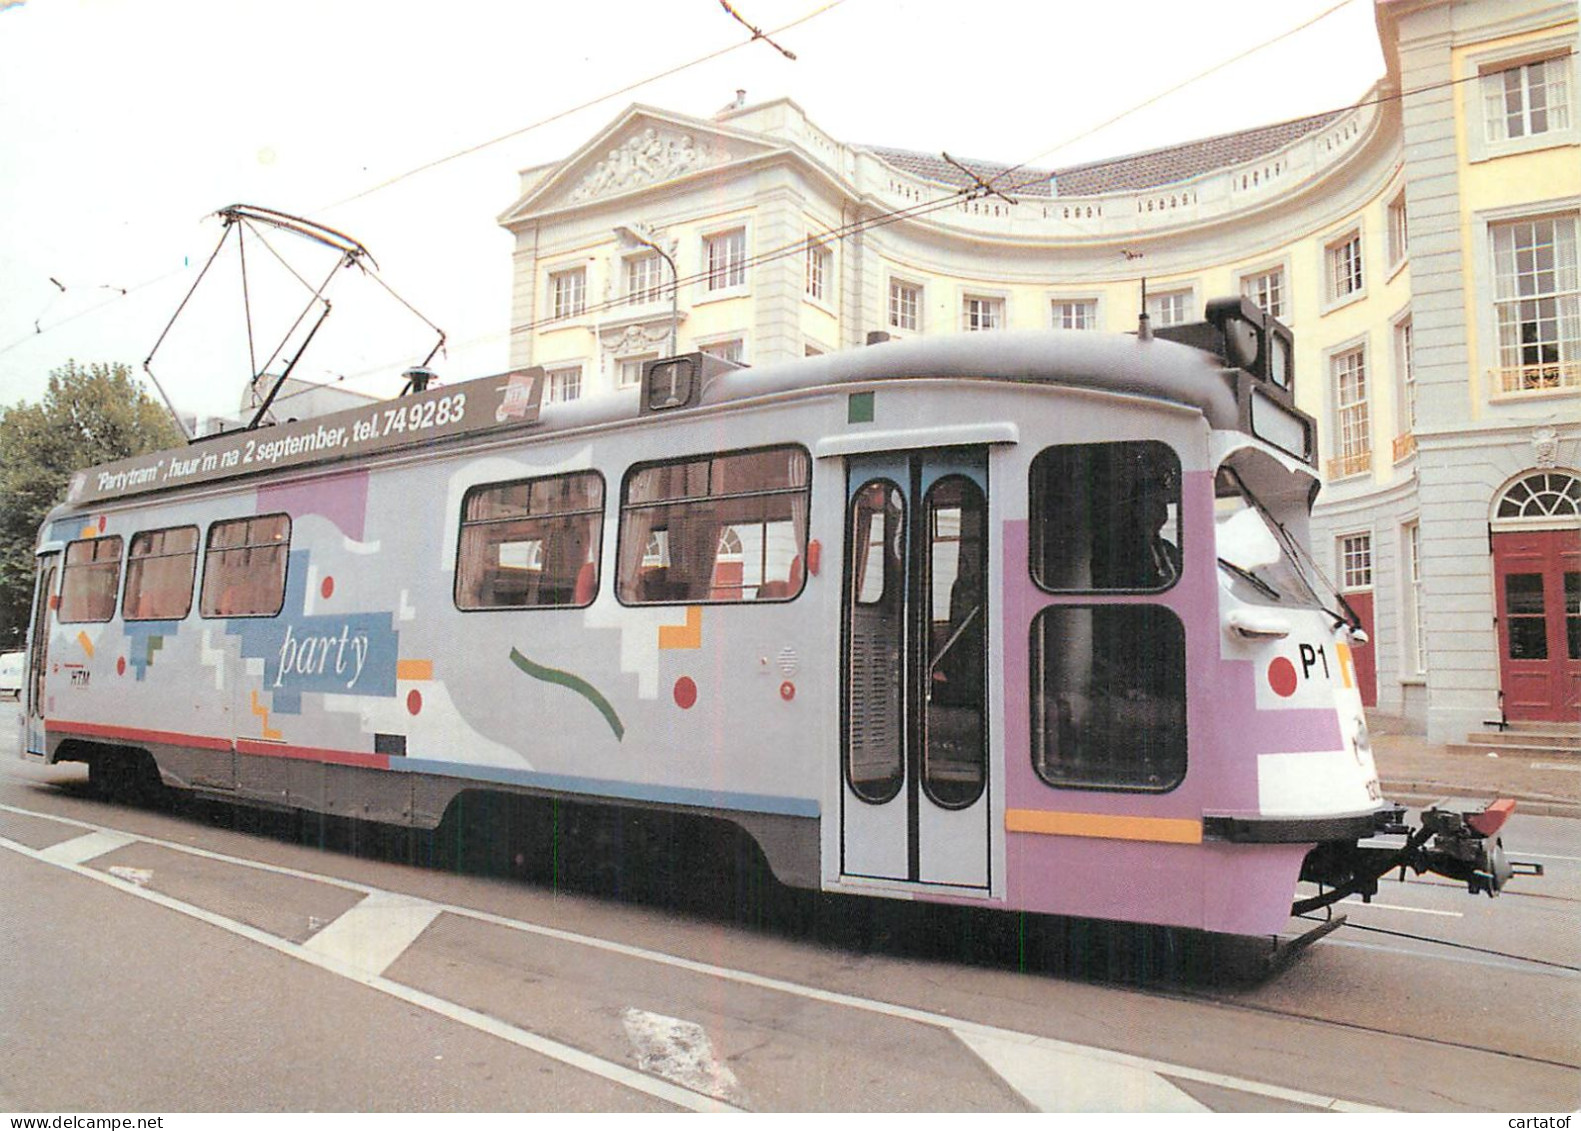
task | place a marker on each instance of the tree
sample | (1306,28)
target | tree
(89,415)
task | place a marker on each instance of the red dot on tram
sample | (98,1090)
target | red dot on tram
(685,693)
(327,587)
(1282,677)
(787,691)
(414,701)
(120,665)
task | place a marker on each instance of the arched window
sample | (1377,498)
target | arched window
(1544,494)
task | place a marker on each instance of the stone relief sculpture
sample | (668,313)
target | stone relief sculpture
(643,159)
(1545,446)
(634,338)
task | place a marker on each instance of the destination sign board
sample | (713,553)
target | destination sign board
(487,404)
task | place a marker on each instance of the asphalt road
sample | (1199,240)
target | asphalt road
(201,957)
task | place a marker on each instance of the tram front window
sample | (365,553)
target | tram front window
(1253,549)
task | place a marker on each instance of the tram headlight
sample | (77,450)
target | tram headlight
(1241,342)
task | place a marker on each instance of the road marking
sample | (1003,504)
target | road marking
(1568,767)
(374,933)
(1096,1057)
(79,850)
(680,1051)
(1412,910)
(533,1042)
(1051,1079)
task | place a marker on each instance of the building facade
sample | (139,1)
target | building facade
(1422,244)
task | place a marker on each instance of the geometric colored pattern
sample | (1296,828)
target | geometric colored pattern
(572,683)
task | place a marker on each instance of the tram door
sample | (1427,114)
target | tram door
(38,652)
(914,802)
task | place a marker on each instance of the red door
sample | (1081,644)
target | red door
(1537,576)
(1362,655)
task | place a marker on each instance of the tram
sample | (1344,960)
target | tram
(1025,620)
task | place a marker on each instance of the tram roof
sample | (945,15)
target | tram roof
(501,405)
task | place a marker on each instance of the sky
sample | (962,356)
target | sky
(125,124)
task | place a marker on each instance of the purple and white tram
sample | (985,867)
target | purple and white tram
(1022,620)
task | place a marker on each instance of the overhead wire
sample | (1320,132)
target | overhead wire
(566,113)
(626,89)
(1198,77)
(880,220)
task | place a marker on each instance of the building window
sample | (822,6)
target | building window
(645,279)
(1170,308)
(722,528)
(818,261)
(979,313)
(1545,495)
(1354,449)
(1415,622)
(1399,231)
(1076,315)
(726,257)
(1405,368)
(1355,557)
(160,567)
(629,370)
(1344,268)
(732,349)
(1267,290)
(905,305)
(1527,100)
(563,384)
(568,292)
(530,543)
(244,567)
(1537,304)
(89,581)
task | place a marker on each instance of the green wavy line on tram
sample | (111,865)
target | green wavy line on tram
(573,683)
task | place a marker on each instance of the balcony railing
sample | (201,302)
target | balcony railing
(1404,446)
(1545,377)
(1355,464)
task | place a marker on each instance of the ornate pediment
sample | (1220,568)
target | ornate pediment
(649,156)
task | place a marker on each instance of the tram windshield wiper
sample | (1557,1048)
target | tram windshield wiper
(1247,575)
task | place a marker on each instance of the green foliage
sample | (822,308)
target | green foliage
(89,415)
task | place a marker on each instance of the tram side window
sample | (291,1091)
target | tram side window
(1109,697)
(244,567)
(90,580)
(1106,517)
(160,567)
(716,528)
(531,543)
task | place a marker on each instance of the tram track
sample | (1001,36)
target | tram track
(1372,1030)
(1233,1003)
(77,854)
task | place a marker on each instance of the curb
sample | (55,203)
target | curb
(1418,793)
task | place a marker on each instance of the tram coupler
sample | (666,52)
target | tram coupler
(1455,839)
(1466,846)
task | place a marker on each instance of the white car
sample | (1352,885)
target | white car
(11,664)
